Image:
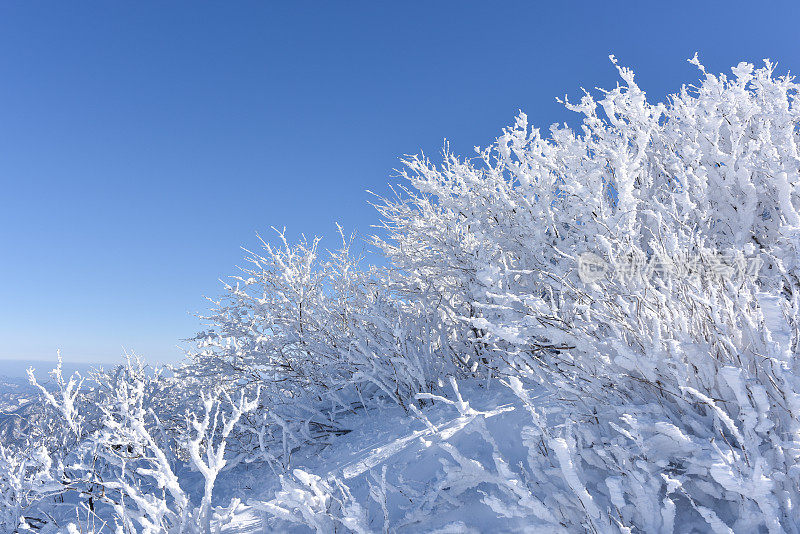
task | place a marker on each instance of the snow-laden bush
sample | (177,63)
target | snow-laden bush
(676,364)
(324,505)
(321,336)
(26,476)
(124,446)
(678,367)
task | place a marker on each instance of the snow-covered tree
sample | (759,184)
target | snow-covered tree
(320,335)
(678,367)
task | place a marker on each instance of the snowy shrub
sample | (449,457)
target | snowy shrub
(26,476)
(121,454)
(676,365)
(321,337)
(679,376)
(323,505)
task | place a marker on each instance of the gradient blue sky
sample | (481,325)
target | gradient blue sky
(142,143)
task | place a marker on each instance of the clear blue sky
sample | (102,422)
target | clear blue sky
(142,143)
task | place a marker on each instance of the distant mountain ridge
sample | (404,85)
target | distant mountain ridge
(17,368)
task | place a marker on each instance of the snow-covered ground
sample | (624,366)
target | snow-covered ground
(411,454)
(436,469)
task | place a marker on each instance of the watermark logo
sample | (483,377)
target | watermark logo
(591,267)
(734,266)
